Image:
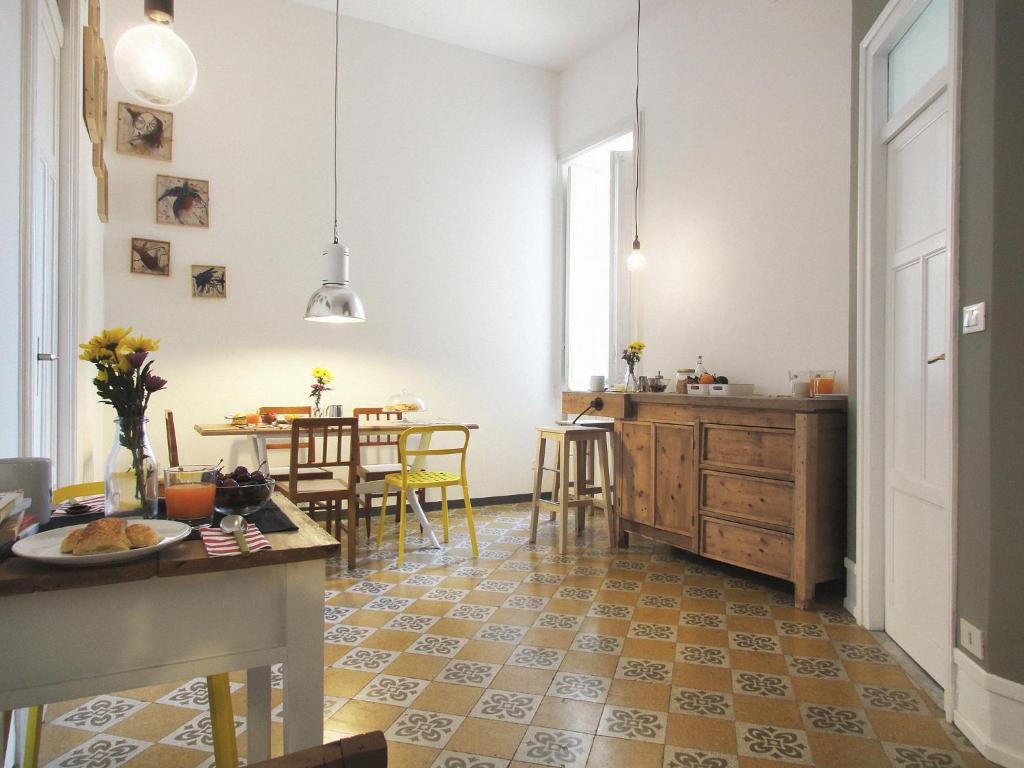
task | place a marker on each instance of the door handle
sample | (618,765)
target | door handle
(937,358)
(47,357)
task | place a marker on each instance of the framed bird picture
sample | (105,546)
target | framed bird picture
(144,131)
(151,257)
(209,282)
(181,201)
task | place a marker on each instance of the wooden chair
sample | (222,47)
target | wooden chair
(281,473)
(367,750)
(375,473)
(172,440)
(411,477)
(222,716)
(321,493)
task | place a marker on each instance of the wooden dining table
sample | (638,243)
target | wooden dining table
(67,633)
(261,433)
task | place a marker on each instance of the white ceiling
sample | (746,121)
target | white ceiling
(543,33)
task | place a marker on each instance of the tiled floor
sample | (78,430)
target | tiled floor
(644,657)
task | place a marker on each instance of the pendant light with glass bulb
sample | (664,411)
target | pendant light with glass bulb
(152,62)
(636,260)
(335,301)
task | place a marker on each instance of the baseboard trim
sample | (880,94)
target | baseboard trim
(850,601)
(989,710)
(483,501)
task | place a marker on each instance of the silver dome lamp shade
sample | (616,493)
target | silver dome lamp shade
(335,301)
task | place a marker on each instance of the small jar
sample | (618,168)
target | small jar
(682,374)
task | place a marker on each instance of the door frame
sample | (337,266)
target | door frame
(875,130)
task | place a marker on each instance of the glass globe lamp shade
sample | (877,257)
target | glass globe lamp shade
(155,65)
(636,260)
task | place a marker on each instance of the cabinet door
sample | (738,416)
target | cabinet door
(636,475)
(674,478)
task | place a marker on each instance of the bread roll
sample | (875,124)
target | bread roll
(67,546)
(106,535)
(141,535)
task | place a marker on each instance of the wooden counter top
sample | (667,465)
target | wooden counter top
(19,576)
(619,404)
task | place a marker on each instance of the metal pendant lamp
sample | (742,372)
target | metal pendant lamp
(636,260)
(335,301)
(152,62)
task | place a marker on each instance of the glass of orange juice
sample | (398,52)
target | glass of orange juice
(823,382)
(189,492)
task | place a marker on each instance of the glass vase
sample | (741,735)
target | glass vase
(132,471)
(632,384)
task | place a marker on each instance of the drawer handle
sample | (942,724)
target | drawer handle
(937,358)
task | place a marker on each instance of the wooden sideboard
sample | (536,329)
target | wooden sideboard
(757,482)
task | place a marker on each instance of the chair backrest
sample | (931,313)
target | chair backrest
(377,439)
(406,456)
(72,491)
(172,439)
(324,441)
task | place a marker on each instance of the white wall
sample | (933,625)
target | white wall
(10,194)
(745,203)
(447,176)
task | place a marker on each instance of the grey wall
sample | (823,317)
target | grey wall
(991,364)
(863,15)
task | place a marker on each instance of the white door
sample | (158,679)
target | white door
(918,393)
(43,235)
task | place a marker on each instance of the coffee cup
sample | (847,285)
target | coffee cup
(597,383)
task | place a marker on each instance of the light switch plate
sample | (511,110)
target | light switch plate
(972,639)
(973,318)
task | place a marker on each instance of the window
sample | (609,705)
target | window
(919,54)
(598,186)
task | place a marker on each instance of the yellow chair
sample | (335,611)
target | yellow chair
(414,476)
(222,716)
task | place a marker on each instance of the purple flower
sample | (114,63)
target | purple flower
(136,358)
(154,383)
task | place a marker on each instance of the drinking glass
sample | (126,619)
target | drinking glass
(823,382)
(189,492)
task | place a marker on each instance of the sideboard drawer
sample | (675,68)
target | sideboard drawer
(747,546)
(753,498)
(766,450)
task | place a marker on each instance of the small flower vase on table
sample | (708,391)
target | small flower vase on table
(321,378)
(632,354)
(125,380)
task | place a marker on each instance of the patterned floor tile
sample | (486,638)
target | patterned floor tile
(681,757)
(508,706)
(700,619)
(634,724)
(643,670)
(525,602)
(694,701)
(902,700)
(389,604)
(471,612)
(645,631)
(449,759)
(548,746)
(430,729)
(770,743)
(592,643)
(907,756)
(437,645)
(570,685)
(826,718)
(192,695)
(335,613)
(446,594)
(197,733)
(477,674)
(536,658)
(98,714)
(366,660)
(343,634)
(101,751)
(564,621)
(391,689)
(811,666)
(759,684)
(501,633)
(411,622)
(610,611)
(660,601)
(708,655)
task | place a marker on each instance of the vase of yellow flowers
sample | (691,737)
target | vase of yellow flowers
(632,354)
(321,378)
(125,380)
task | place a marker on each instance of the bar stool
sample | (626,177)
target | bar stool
(590,465)
(571,444)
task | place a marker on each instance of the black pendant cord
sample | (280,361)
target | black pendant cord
(337,45)
(636,153)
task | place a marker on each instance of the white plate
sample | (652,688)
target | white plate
(45,547)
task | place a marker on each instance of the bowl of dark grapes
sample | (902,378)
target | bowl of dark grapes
(241,492)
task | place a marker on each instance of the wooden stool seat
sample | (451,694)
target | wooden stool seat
(573,443)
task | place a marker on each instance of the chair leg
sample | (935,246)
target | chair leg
(538,482)
(368,507)
(606,492)
(352,524)
(33,735)
(556,483)
(222,720)
(469,518)
(579,464)
(444,511)
(383,511)
(421,494)
(563,510)
(401,526)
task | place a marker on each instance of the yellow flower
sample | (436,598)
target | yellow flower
(101,377)
(122,364)
(110,338)
(94,354)
(139,344)
(323,375)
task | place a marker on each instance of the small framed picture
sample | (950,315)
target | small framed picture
(150,257)
(181,201)
(144,131)
(209,282)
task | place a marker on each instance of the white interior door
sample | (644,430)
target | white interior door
(918,406)
(43,229)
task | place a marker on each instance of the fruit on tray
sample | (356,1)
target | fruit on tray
(706,378)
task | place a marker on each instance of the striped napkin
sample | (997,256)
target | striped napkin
(95,504)
(219,544)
